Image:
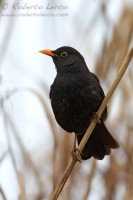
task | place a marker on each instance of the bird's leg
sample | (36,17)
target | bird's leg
(96,118)
(75,151)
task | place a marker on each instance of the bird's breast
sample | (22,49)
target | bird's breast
(72,101)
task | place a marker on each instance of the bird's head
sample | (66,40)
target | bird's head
(65,57)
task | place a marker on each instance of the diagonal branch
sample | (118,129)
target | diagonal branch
(92,125)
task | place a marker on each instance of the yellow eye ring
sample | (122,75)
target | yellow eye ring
(63,54)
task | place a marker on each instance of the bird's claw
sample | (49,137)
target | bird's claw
(76,154)
(97,118)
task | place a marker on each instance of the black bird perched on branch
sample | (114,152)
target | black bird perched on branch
(76,95)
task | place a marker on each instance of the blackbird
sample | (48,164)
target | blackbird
(76,95)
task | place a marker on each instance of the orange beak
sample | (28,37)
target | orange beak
(48,52)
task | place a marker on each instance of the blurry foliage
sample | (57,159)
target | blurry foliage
(115,179)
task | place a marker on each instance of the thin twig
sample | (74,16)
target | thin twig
(2,194)
(3,156)
(92,125)
(22,185)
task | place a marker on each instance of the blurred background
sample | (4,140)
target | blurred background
(34,150)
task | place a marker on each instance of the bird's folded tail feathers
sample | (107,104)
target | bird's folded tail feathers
(99,144)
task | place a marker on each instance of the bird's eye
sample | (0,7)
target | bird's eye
(63,54)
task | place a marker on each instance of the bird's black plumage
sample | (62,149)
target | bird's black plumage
(75,95)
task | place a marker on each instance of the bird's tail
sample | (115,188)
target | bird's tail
(99,144)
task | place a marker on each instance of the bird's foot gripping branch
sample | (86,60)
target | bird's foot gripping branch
(76,154)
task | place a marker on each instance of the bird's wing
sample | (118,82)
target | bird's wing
(99,92)
(96,78)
